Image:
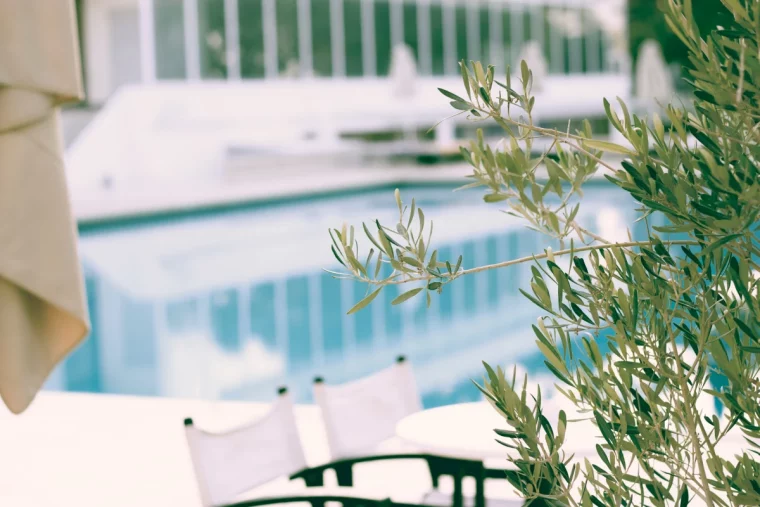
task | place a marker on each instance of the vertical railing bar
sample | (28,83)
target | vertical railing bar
(232,39)
(147,41)
(369,55)
(449,37)
(496,33)
(473,30)
(556,51)
(593,62)
(517,32)
(424,37)
(537,26)
(575,45)
(269,26)
(397,22)
(337,38)
(192,40)
(305,43)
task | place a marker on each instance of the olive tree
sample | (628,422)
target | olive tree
(676,309)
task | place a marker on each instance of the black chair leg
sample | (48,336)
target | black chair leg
(480,491)
(314,480)
(458,499)
(345,475)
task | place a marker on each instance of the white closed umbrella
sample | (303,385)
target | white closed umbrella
(43,314)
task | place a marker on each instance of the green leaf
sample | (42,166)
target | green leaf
(465,77)
(387,248)
(719,243)
(452,96)
(412,261)
(509,434)
(492,198)
(479,74)
(608,147)
(558,374)
(684,502)
(371,238)
(412,212)
(364,302)
(335,253)
(461,106)
(459,265)
(406,296)
(433,259)
(554,222)
(605,428)
(484,94)
(524,72)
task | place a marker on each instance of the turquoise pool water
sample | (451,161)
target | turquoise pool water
(231,304)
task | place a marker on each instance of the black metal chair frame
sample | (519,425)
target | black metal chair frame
(320,501)
(439,466)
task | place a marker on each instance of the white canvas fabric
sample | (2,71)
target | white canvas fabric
(231,463)
(360,415)
(403,71)
(43,314)
(654,82)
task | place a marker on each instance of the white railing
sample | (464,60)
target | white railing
(442,32)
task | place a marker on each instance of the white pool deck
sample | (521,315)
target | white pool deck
(103,204)
(165,147)
(103,450)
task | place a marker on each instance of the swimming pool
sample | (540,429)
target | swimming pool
(231,304)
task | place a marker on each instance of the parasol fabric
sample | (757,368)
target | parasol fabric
(43,313)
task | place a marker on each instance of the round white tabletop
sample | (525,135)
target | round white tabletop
(467,431)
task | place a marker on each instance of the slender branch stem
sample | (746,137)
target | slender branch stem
(689,408)
(563,137)
(522,260)
(588,233)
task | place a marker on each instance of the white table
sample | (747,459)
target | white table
(121,451)
(467,431)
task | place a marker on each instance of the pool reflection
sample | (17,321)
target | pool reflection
(228,306)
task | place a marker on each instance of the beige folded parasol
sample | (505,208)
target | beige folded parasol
(43,314)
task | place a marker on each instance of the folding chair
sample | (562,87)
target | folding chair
(361,416)
(228,465)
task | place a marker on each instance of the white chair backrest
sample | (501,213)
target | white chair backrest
(654,82)
(230,463)
(360,415)
(403,71)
